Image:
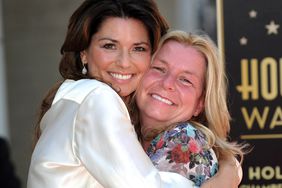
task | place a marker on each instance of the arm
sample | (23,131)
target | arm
(229,175)
(105,142)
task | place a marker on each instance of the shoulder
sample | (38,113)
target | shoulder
(184,130)
(184,150)
(78,91)
(95,96)
(183,134)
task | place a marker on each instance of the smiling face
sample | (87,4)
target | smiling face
(171,90)
(119,53)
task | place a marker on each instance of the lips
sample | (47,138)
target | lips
(161,99)
(121,76)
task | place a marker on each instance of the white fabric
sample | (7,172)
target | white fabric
(88,141)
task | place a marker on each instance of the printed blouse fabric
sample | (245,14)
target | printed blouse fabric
(184,150)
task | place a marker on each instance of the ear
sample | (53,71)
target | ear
(199,107)
(83,57)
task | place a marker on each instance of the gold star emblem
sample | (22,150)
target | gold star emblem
(253,14)
(243,41)
(272,28)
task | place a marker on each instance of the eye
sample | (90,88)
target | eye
(159,69)
(109,46)
(139,49)
(185,81)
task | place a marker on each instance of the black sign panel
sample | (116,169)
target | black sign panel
(251,35)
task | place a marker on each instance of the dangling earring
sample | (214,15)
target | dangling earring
(84,70)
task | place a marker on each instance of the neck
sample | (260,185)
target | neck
(150,128)
(148,124)
(146,144)
(125,99)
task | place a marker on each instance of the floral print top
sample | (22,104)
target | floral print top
(184,150)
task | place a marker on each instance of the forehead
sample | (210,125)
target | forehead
(182,55)
(120,27)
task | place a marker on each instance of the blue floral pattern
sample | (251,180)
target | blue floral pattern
(184,150)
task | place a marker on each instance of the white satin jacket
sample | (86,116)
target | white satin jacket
(88,141)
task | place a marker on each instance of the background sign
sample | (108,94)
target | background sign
(250,33)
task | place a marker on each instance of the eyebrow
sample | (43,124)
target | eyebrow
(105,38)
(116,41)
(185,71)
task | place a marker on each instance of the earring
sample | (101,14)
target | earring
(84,70)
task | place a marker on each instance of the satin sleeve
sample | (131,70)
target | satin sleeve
(106,144)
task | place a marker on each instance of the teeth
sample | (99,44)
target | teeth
(121,76)
(157,97)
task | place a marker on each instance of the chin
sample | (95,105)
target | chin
(124,93)
(158,116)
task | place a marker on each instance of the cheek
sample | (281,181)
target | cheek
(140,98)
(143,89)
(189,101)
(144,64)
(100,60)
(147,80)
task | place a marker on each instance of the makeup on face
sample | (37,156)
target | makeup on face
(119,53)
(171,90)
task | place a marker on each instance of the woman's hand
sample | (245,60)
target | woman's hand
(229,175)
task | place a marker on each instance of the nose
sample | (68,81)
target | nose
(124,60)
(169,82)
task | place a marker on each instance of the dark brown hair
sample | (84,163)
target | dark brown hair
(85,22)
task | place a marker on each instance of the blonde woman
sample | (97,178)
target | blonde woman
(183,92)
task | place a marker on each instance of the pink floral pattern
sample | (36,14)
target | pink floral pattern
(184,150)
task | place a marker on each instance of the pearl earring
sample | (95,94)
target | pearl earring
(84,70)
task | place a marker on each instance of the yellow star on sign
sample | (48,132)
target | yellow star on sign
(243,41)
(253,14)
(272,28)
